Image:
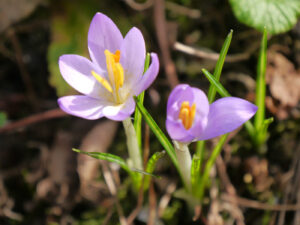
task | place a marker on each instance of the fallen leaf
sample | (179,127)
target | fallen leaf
(284,82)
(97,140)
(13,11)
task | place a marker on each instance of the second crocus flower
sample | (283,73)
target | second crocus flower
(190,117)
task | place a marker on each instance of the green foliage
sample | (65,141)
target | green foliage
(212,89)
(69,36)
(195,171)
(219,66)
(211,161)
(3,118)
(158,132)
(277,16)
(261,125)
(151,166)
(106,156)
(137,115)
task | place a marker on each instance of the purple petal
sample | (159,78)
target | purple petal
(177,131)
(150,75)
(180,93)
(82,106)
(133,54)
(120,112)
(225,115)
(76,70)
(177,93)
(202,110)
(103,34)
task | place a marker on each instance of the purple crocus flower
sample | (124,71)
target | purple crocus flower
(191,118)
(113,76)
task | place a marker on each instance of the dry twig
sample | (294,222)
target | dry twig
(113,191)
(161,31)
(179,9)
(23,70)
(212,55)
(165,199)
(50,114)
(152,204)
(139,6)
(248,203)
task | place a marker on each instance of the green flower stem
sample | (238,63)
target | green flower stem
(132,145)
(211,161)
(185,162)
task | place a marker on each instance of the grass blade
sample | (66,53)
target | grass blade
(195,172)
(219,87)
(224,93)
(219,66)
(212,89)
(151,166)
(261,83)
(106,156)
(137,115)
(158,133)
(211,161)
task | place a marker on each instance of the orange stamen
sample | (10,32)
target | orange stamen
(187,114)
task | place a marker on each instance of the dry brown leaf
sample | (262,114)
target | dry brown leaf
(97,140)
(62,183)
(284,82)
(12,11)
(258,172)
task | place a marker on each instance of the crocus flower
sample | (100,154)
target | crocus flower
(113,76)
(190,117)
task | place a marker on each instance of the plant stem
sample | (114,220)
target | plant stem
(185,162)
(211,161)
(132,145)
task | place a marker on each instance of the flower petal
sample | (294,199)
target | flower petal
(103,34)
(120,112)
(177,131)
(202,111)
(149,76)
(82,106)
(225,115)
(133,53)
(76,70)
(180,93)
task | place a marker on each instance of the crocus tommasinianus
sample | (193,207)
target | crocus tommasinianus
(191,118)
(113,76)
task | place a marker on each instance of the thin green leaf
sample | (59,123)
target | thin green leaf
(219,87)
(262,132)
(3,118)
(144,172)
(151,166)
(219,66)
(224,93)
(195,172)
(212,89)
(106,156)
(211,161)
(261,83)
(158,132)
(153,160)
(137,115)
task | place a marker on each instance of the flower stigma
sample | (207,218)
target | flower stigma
(115,74)
(187,114)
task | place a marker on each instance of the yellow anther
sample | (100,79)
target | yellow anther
(119,75)
(114,68)
(117,56)
(102,81)
(187,114)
